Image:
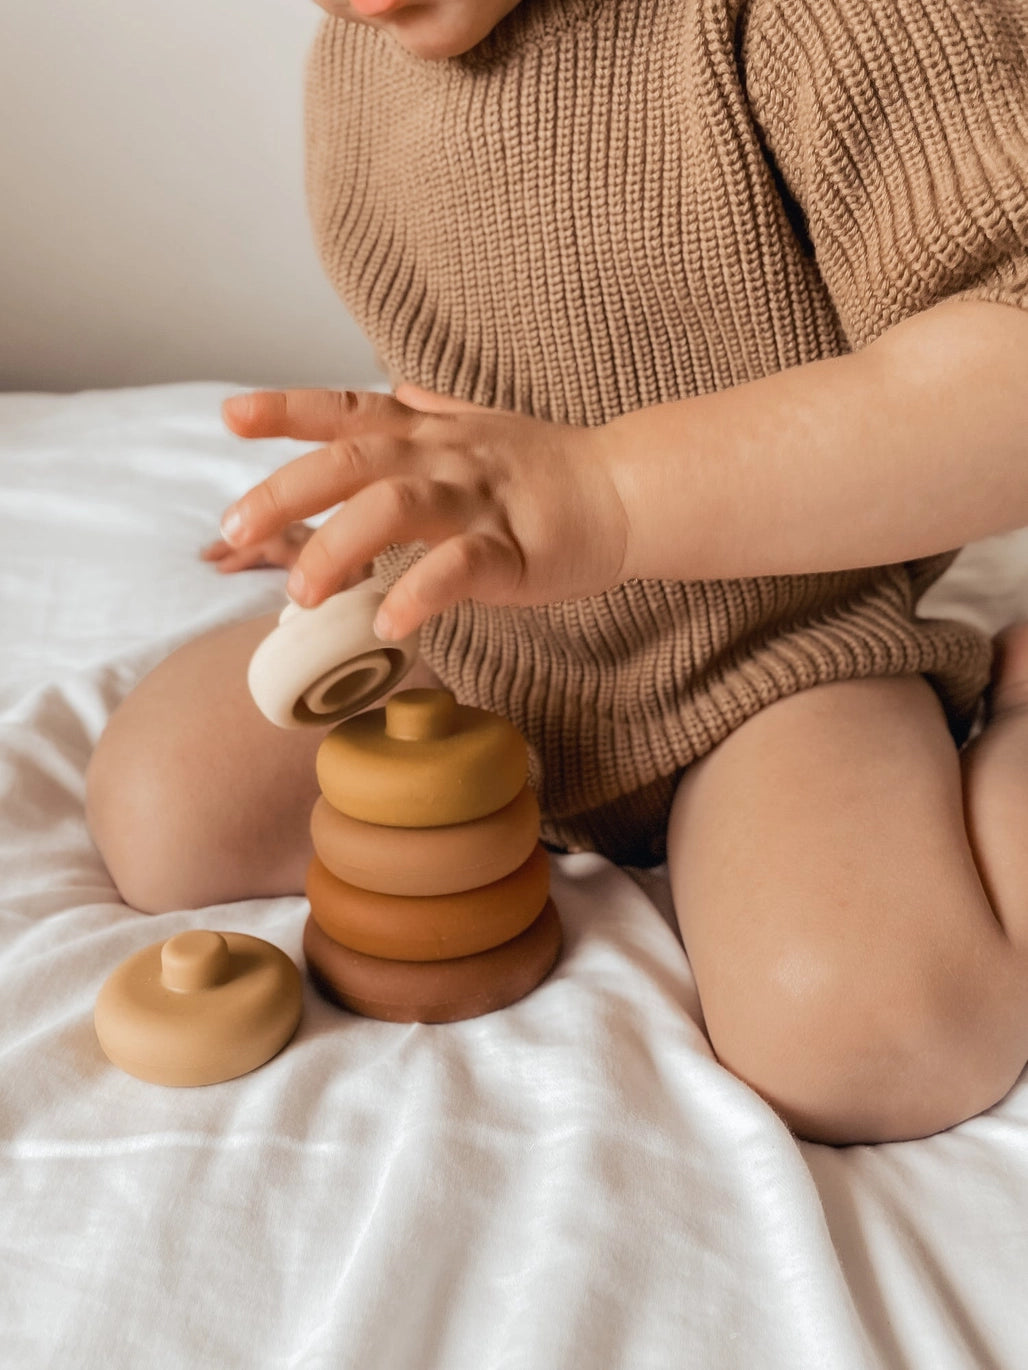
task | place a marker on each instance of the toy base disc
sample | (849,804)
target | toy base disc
(434,991)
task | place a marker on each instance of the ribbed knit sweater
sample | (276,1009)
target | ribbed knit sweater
(610,204)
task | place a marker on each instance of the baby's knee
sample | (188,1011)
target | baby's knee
(192,796)
(132,814)
(848,1053)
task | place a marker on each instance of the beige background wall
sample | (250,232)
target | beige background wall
(152,220)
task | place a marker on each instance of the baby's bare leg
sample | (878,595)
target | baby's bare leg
(192,796)
(850,964)
(996,788)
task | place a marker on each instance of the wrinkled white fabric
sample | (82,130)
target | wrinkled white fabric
(571,1184)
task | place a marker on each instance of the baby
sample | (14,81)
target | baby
(708,327)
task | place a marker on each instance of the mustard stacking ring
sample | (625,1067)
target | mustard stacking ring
(424,761)
(321,665)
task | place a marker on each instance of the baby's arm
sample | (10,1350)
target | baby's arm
(916,444)
(896,135)
(911,446)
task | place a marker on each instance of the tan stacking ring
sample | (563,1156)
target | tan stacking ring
(199,1008)
(434,991)
(424,861)
(436,927)
(424,761)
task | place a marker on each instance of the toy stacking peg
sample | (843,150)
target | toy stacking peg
(429,887)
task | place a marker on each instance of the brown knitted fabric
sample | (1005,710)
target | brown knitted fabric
(615,203)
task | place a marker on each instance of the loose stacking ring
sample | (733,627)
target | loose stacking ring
(321,665)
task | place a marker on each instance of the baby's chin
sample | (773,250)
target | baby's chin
(419,30)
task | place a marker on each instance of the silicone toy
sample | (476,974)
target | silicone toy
(321,665)
(429,889)
(426,861)
(432,928)
(434,991)
(198,1009)
(441,777)
(425,761)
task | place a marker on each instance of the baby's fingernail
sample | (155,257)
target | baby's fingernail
(231,525)
(296,586)
(383,626)
(240,405)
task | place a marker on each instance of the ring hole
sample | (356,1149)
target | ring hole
(352,686)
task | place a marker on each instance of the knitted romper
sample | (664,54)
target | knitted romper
(616,203)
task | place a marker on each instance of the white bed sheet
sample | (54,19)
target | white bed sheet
(572,1184)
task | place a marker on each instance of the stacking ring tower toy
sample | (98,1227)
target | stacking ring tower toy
(429,887)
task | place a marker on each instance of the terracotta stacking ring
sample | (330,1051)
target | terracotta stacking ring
(424,861)
(434,991)
(438,927)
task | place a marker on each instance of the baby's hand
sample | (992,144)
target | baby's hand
(514,510)
(280,549)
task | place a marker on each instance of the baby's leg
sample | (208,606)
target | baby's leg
(860,961)
(192,796)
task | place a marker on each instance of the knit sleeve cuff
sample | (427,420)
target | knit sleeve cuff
(900,132)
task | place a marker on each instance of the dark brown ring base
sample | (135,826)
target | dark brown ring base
(434,991)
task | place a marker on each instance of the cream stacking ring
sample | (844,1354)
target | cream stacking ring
(322,665)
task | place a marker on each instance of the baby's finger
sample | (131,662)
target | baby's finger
(311,483)
(430,402)
(470,565)
(401,509)
(312,415)
(214,551)
(249,559)
(227,559)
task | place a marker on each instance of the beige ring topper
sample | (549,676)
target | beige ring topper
(319,666)
(198,1009)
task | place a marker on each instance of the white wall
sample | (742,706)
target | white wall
(152,218)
